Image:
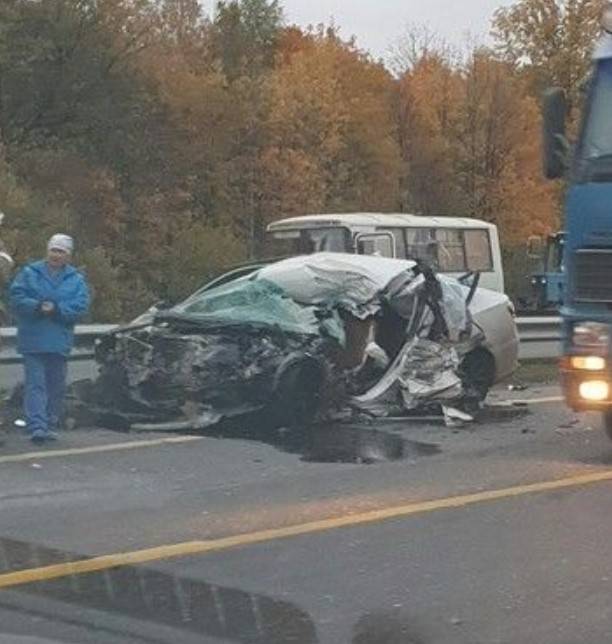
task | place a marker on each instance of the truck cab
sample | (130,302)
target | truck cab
(586,365)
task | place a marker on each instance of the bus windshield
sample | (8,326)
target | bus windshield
(306,241)
(596,148)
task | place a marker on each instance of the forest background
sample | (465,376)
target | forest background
(165,139)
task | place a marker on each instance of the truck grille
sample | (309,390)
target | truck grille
(593,276)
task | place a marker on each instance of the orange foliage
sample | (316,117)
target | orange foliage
(471,145)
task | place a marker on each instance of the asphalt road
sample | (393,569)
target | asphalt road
(398,533)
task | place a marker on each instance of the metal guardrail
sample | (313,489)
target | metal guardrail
(85,337)
(540,338)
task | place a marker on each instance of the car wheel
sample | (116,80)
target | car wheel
(478,373)
(297,395)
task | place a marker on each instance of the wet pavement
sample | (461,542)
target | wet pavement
(157,598)
(527,569)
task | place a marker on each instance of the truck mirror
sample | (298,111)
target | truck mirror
(556,147)
(535,247)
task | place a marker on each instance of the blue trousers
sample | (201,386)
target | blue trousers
(45,389)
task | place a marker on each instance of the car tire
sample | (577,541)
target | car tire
(478,374)
(298,392)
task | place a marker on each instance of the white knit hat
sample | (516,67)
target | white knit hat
(61,242)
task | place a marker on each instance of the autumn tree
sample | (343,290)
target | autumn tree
(429,98)
(549,40)
(59,59)
(245,35)
(469,132)
(333,138)
(165,140)
(416,44)
(498,151)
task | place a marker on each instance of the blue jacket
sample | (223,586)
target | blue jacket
(39,333)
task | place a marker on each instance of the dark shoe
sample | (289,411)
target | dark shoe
(38,436)
(52,436)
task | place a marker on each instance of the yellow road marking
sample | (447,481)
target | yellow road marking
(97,449)
(107,562)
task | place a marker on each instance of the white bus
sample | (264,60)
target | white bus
(455,246)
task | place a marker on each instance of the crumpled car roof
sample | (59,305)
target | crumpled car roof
(350,280)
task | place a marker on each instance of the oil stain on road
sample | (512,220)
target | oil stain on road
(333,443)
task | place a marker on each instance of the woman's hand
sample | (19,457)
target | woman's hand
(47,308)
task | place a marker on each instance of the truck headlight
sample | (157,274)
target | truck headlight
(595,390)
(588,363)
(591,334)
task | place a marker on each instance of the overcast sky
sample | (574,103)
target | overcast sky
(378,23)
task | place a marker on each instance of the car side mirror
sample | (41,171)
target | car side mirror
(555,144)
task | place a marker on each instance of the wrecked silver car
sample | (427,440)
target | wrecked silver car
(306,337)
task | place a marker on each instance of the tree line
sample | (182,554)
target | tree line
(164,140)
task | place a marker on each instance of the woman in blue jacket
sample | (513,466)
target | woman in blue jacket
(48,298)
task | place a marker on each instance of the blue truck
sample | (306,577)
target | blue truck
(586,364)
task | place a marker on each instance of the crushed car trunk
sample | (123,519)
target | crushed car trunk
(302,337)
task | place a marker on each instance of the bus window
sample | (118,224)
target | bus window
(400,242)
(307,241)
(420,244)
(451,250)
(478,250)
(380,244)
(330,240)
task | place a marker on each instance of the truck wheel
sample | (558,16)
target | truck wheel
(607,423)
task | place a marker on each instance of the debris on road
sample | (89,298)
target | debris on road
(308,337)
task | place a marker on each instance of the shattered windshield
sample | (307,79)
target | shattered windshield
(597,142)
(251,301)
